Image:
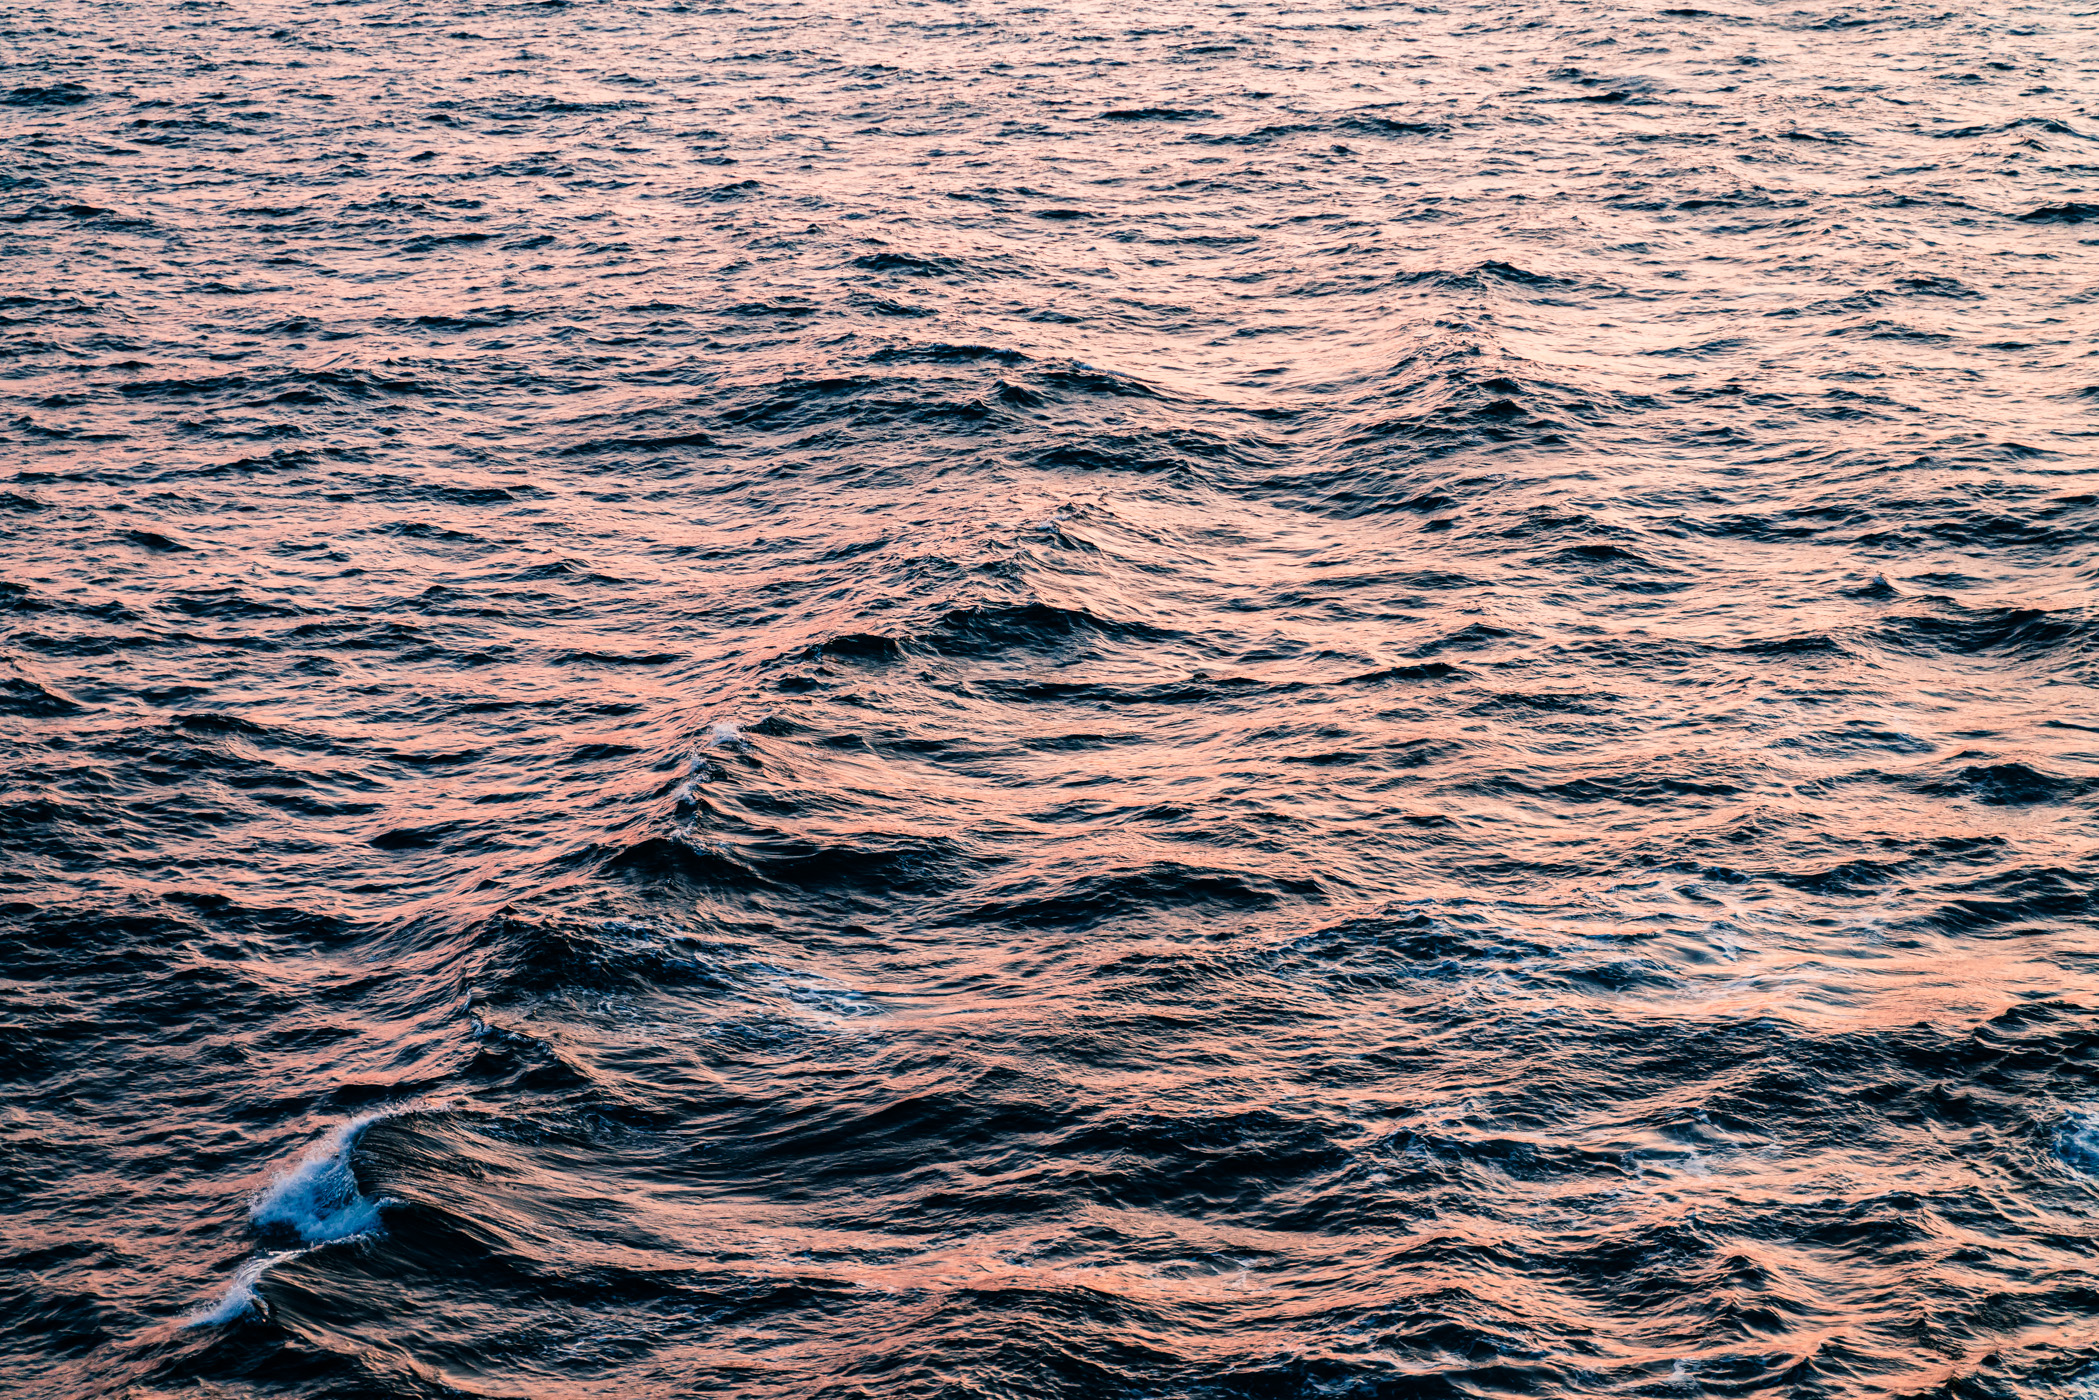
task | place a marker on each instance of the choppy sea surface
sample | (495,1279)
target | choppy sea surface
(979,700)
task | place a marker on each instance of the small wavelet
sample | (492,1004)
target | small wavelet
(722,735)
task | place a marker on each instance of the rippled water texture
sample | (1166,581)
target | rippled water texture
(968,700)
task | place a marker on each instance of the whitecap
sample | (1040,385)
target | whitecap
(318,1199)
(723,735)
(718,738)
(2077,1140)
(240,1296)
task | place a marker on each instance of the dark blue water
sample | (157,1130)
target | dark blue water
(970,700)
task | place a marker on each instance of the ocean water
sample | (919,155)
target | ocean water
(985,700)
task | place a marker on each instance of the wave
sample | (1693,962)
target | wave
(2077,1140)
(983,630)
(317,1202)
(241,1298)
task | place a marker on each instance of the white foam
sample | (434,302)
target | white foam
(319,1199)
(240,1296)
(719,737)
(2077,1140)
(723,735)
